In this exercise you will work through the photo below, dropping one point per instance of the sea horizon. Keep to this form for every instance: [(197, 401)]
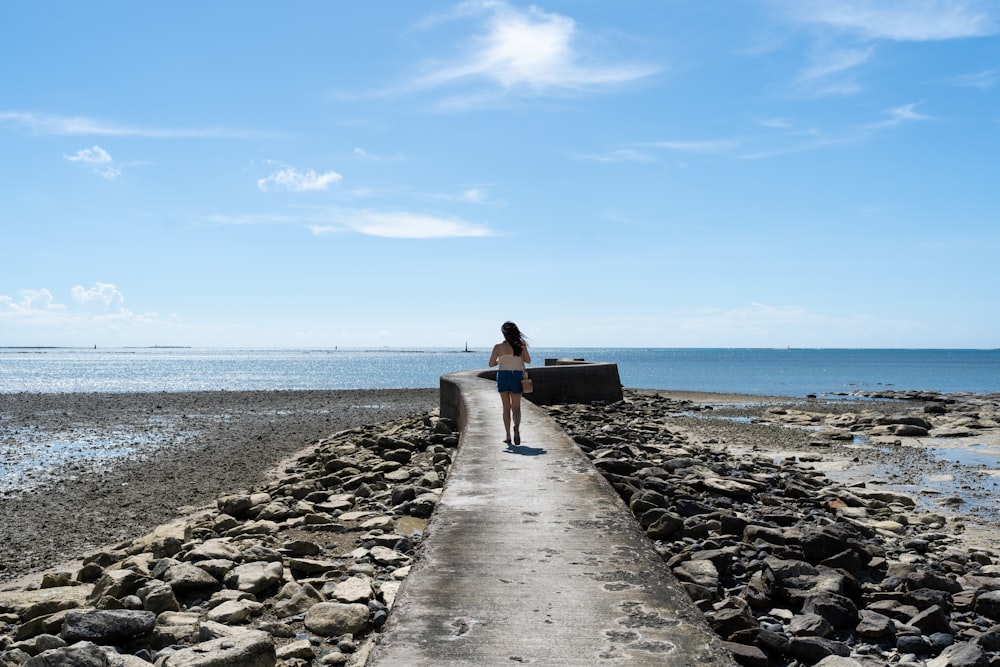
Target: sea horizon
[(787, 371)]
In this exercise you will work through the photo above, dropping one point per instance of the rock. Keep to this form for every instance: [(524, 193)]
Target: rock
[(255, 577), (185, 577), (875, 626), (814, 649), (966, 654), (233, 612), (988, 604), (298, 650), (116, 584), (356, 589), (106, 626), (747, 655), (700, 572), (332, 619), (158, 597), (296, 599), (389, 557), (251, 648), (81, 654)]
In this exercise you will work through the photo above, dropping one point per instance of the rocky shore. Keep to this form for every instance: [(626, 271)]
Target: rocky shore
[(790, 567), (298, 571), (781, 517)]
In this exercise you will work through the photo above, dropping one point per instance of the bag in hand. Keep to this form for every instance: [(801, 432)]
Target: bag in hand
[(526, 386)]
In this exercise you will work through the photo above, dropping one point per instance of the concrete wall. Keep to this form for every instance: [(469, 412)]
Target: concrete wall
[(559, 381)]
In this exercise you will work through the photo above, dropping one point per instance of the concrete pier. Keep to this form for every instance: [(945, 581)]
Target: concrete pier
[(532, 558)]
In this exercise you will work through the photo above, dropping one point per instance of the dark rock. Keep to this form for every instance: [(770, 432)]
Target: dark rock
[(813, 649), (107, 626)]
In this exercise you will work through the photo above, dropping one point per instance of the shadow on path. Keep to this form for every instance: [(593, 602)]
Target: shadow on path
[(524, 451)]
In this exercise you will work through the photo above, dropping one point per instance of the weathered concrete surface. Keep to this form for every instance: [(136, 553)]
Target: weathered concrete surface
[(531, 558)]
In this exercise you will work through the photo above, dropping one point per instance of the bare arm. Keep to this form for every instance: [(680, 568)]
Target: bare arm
[(495, 355), (525, 355)]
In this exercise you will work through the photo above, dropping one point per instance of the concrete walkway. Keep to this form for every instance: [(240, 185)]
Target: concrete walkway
[(532, 558)]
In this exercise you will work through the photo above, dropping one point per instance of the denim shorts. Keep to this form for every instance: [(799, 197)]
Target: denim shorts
[(509, 381)]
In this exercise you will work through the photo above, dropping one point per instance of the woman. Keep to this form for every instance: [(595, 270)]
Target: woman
[(511, 354)]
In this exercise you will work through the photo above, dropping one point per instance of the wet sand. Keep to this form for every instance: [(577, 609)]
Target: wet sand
[(182, 451)]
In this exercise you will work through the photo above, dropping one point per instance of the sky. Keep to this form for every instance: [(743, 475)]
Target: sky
[(636, 173)]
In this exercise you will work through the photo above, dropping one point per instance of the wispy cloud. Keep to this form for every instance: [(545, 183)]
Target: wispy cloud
[(982, 80), (98, 159), (914, 20), (298, 181), (523, 52), (617, 155), (847, 33), (399, 225), (52, 124), (707, 146), (899, 115)]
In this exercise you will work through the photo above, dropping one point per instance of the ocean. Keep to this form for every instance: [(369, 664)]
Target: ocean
[(783, 372)]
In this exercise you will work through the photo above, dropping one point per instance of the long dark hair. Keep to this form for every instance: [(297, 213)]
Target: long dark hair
[(514, 337)]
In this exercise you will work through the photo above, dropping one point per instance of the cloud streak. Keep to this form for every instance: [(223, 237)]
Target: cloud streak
[(399, 225), (56, 125), (911, 21)]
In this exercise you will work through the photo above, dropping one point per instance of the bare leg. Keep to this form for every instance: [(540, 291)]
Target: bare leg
[(515, 409), (505, 400)]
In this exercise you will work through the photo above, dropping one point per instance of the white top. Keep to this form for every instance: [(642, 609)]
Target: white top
[(511, 362)]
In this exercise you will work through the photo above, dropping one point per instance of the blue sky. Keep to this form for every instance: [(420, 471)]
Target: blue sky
[(753, 173)]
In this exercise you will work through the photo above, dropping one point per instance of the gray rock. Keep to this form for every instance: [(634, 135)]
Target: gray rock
[(700, 572), (840, 611), (80, 654), (158, 597), (296, 599), (875, 626), (116, 584), (255, 577), (966, 654), (184, 577), (988, 604), (106, 626), (814, 649), (251, 648), (332, 619)]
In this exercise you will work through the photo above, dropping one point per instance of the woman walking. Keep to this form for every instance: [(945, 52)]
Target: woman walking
[(511, 354)]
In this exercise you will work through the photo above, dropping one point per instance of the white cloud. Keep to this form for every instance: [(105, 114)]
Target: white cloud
[(32, 301), (899, 115), (526, 51), (398, 224), (291, 179), (53, 124), (913, 20), (98, 159), (834, 62), (105, 294), (38, 319)]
